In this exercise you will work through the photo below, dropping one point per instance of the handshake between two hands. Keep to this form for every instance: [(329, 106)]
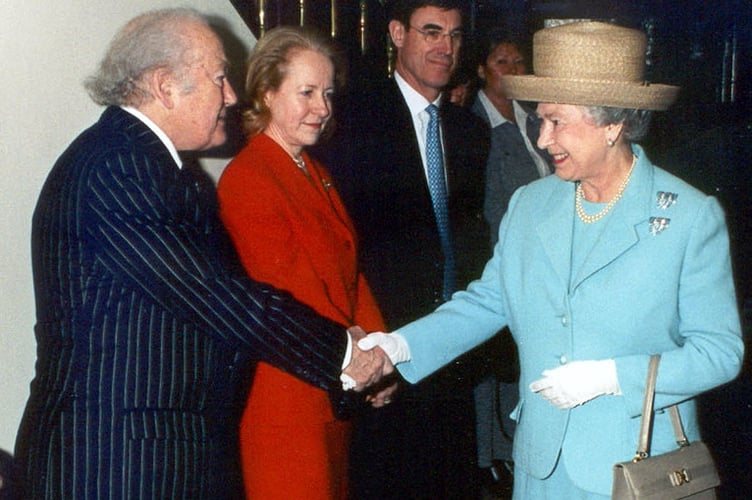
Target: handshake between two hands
[(373, 357)]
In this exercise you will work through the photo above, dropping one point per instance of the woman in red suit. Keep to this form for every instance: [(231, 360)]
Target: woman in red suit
[(292, 445)]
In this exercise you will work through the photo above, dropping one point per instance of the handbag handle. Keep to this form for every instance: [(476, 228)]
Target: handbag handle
[(646, 421)]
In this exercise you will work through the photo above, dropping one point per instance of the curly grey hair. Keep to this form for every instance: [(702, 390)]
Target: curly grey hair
[(635, 121), (150, 41)]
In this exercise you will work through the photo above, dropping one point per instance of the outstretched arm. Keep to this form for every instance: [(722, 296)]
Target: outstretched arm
[(144, 222)]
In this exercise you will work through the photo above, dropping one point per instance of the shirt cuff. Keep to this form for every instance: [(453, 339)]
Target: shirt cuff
[(348, 383)]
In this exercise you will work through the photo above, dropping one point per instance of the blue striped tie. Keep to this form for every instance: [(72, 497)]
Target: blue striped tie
[(437, 187)]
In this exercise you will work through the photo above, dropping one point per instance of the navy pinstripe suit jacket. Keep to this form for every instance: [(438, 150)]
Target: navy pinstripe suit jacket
[(146, 328)]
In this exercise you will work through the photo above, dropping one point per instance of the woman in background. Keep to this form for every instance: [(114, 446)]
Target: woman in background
[(513, 160), (292, 444)]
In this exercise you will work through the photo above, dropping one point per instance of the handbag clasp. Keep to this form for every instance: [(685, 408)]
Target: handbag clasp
[(679, 477)]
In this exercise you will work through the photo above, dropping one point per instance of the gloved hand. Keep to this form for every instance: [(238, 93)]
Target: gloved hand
[(577, 382), (393, 344)]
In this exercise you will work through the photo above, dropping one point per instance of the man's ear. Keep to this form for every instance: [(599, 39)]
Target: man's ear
[(397, 32), (163, 87)]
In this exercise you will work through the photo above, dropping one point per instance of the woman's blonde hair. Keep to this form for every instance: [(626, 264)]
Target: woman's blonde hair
[(267, 69)]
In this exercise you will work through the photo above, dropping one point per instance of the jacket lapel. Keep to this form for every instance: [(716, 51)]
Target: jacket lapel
[(617, 237), (619, 234), (555, 229), (621, 230)]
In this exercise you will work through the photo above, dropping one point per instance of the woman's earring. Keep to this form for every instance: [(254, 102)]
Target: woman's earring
[(610, 142)]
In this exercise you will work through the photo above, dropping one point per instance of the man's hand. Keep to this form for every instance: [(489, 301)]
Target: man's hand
[(383, 397), (367, 367)]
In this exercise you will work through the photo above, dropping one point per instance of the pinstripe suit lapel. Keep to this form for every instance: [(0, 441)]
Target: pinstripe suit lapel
[(120, 122)]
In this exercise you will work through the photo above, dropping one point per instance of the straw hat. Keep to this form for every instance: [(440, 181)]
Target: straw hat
[(590, 63)]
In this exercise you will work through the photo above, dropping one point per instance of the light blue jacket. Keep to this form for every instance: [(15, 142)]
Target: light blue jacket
[(647, 287)]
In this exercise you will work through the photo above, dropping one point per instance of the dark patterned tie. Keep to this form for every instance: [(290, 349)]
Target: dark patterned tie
[(437, 187)]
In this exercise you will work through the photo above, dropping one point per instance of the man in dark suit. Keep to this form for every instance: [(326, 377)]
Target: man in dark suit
[(146, 324), (422, 445)]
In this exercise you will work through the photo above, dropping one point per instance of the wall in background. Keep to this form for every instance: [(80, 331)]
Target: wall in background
[(48, 49)]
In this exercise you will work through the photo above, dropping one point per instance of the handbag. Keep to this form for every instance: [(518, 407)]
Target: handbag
[(687, 472)]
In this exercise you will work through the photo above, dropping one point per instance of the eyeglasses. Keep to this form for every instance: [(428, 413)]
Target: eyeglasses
[(434, 36)]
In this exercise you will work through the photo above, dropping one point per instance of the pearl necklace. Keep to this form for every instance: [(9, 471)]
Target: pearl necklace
[(589, 219)]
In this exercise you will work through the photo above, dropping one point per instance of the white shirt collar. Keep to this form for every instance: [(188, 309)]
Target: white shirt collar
[(414, 100), (160, 133), (494, 117)]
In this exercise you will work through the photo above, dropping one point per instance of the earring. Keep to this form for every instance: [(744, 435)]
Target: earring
[(610, 142)]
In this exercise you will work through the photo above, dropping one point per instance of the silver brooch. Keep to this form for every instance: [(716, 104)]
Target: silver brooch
[(658, 224), (665, 199)]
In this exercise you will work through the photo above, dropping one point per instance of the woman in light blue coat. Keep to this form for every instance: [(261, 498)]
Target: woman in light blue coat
[(597, 267)]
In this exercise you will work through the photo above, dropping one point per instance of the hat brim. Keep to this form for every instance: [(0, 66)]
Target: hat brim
[(628, 95)]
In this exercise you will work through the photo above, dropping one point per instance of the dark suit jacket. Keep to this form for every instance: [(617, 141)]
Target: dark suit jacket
[(377, 166), (146, 327), (422, 445)]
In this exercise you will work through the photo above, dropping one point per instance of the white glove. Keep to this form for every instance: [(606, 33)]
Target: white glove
[(577, 382), (393, 344)]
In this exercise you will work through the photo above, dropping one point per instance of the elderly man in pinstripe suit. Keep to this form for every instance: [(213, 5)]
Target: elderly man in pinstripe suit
[(146, 324)]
